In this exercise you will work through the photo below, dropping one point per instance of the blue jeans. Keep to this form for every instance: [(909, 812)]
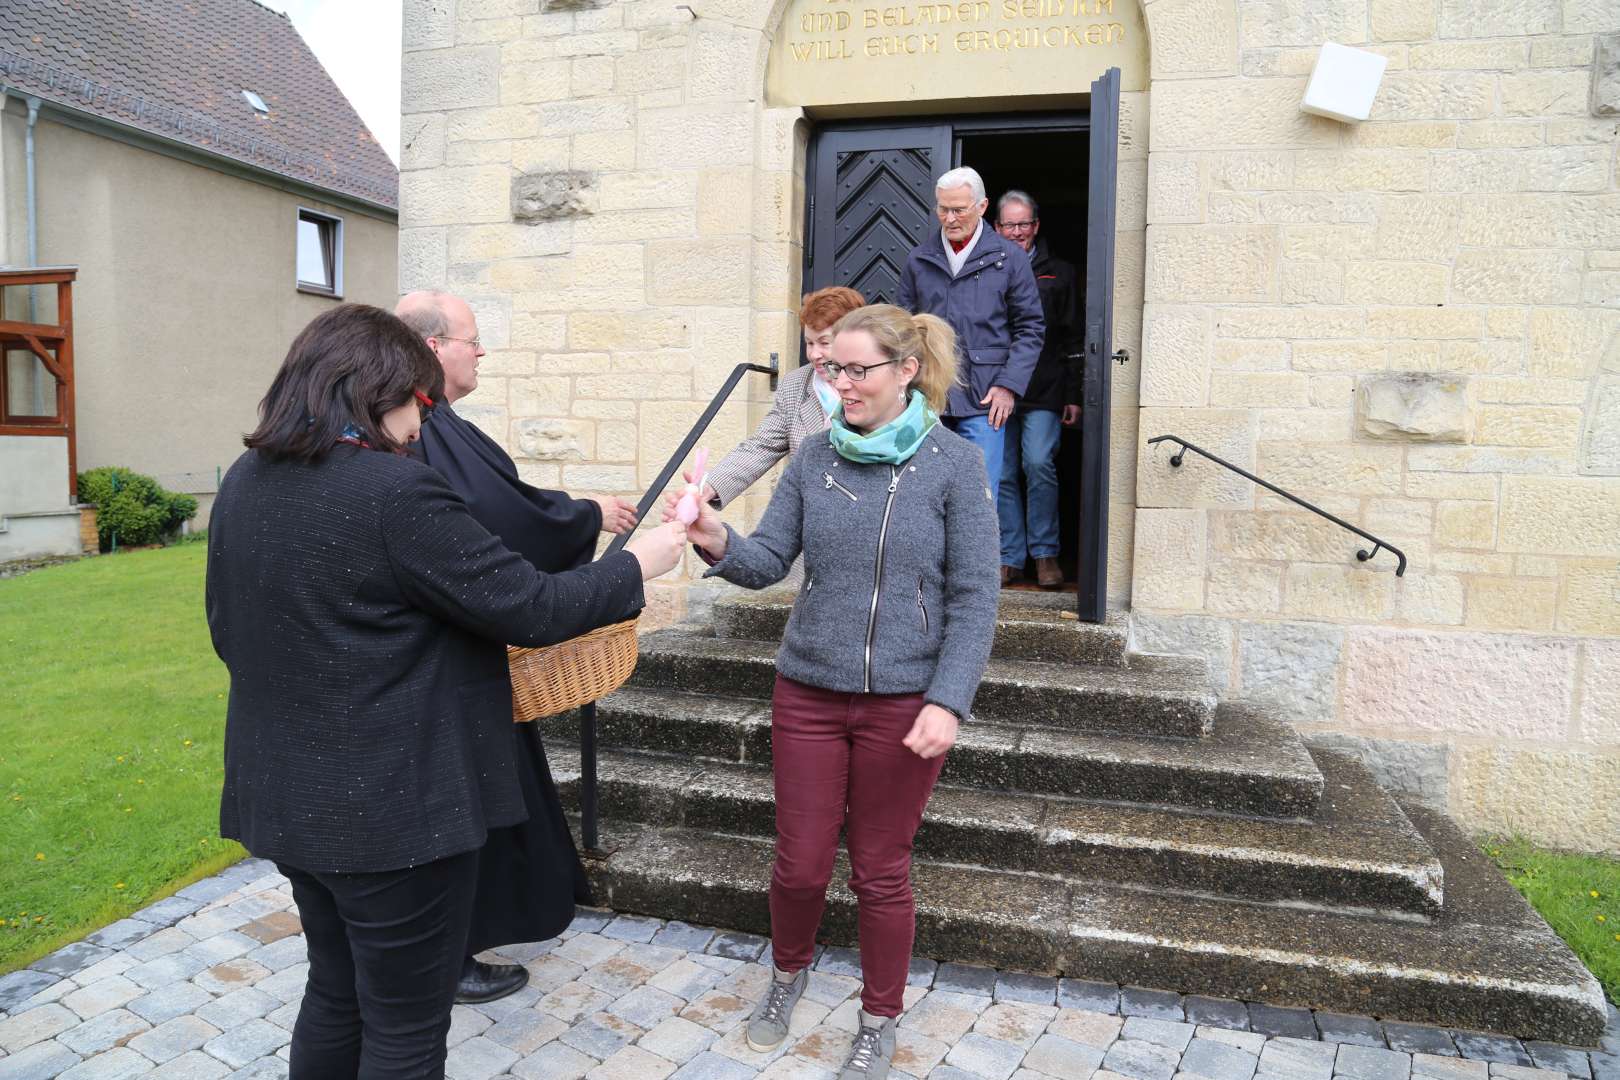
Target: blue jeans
[(1032, 440), (977, 430)]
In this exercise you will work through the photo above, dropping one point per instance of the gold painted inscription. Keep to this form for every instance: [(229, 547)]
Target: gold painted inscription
[(822, 34), (831, 51)]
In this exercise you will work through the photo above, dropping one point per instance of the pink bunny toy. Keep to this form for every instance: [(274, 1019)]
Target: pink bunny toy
[(686, 510)]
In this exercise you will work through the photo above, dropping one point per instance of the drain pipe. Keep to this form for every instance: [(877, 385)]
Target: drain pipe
[(33, 203)]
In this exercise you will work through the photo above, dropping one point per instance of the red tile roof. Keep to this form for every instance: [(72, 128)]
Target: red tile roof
[(178, 68)]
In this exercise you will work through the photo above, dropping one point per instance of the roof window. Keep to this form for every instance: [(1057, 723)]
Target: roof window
[(257, 102)]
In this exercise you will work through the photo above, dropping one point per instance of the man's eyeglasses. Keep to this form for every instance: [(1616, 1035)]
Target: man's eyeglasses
[(469, 340), (1019, 226), (856, 372), (952, 212)]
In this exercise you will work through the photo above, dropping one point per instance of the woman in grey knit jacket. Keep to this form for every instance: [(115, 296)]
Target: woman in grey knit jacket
[(886, 645)]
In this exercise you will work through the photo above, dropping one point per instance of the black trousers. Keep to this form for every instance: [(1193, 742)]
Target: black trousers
[(385, 952)]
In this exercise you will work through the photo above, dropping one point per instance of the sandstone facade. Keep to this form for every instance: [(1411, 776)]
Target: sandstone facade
[(1413, 322)]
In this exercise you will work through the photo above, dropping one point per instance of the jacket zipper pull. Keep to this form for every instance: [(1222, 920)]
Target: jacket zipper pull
[(831, 484), (894, 482)]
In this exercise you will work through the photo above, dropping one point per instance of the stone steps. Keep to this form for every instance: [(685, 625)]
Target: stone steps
[(1361, 854), (1487, 962), (1031, 626), (1249, 765), (1166, 696)]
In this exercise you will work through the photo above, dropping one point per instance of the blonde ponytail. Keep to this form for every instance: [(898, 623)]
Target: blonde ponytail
[(899, 334), (938, 360)]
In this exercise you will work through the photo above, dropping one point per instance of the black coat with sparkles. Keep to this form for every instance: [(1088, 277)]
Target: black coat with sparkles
[(362, 613)]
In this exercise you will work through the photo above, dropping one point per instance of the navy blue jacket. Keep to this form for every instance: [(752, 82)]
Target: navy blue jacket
[(994, 307)]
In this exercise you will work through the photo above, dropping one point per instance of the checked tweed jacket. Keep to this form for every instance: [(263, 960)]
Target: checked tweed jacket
[(795, 415)]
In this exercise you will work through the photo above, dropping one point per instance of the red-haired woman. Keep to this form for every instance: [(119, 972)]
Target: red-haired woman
[(805, 401)]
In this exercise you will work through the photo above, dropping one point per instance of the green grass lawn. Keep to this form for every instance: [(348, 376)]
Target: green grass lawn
[(112, 716), (1578, 895)]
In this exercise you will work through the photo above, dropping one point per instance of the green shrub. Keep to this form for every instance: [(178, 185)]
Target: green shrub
[(133, 506)]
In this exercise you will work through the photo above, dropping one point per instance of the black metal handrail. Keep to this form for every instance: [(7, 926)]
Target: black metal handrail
[(1362, 554), (587, 713)]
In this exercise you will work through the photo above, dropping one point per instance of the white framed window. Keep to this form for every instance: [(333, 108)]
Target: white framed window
[(320, 253)]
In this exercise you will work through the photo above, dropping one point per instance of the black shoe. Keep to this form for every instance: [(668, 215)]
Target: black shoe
[(481, 982)]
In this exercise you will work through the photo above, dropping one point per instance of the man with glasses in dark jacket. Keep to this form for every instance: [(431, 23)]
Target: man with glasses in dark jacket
[(1029, 520), (529, 874), (982, 285)]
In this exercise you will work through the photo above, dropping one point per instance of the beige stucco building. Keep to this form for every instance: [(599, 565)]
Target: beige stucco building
[(181, 208), (1412, 321)]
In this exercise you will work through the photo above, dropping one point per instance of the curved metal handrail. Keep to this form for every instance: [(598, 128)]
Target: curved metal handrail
[(587, 712), (1362, 554), (651, 495)]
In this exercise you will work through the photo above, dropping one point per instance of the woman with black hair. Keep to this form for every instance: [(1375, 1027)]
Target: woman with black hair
[(363, 616)]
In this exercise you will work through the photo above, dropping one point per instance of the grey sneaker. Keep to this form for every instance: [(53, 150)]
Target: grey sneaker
[(873, 1050), (769, 1024)]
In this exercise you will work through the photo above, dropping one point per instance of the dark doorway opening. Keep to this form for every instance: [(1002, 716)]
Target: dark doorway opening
[(871, 199), (1052, 167)]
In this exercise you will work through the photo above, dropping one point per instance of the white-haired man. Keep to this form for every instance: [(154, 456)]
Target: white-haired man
[(980, 283)]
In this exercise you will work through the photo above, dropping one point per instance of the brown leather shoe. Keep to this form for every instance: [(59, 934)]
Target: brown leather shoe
[(1010, 574), (1048, 573)]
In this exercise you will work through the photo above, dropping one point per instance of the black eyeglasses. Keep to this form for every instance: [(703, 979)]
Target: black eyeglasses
[(1019, 226), (856, 372)]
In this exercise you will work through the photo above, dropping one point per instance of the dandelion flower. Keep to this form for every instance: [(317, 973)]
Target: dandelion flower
[(120, 759), (41, 918), (140, 781), (1602, 918), (120, 885), (39, 856), (187, 742), (1594, 894), (129, 809)]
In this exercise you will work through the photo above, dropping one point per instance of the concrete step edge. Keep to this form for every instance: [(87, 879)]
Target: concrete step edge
[(1250, 764), (1167, 700), (1478, 967), (1367, 858)]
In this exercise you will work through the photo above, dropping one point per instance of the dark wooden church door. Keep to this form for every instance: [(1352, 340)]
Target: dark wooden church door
[(1096, 406), (871, 202)]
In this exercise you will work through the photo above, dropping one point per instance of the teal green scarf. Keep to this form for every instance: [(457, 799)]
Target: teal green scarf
[(890, 444)]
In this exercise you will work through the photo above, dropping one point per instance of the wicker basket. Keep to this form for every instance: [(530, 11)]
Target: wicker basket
[(571, 673)]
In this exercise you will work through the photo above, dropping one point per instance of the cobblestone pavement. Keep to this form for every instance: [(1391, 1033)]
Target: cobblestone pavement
[(207, 984)]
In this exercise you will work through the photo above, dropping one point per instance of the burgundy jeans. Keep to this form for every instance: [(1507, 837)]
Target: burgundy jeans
[(839, 764)]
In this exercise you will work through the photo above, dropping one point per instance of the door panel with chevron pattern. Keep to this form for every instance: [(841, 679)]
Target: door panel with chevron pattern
[(873, 202)]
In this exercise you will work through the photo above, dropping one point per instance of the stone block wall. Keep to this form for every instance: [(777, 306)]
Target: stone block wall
[(1413, 322), (603, 184)]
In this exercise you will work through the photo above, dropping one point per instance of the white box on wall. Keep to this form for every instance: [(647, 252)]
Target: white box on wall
[(1344, 83)]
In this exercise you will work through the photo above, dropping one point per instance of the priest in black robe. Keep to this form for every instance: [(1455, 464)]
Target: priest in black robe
[(530, 876)]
